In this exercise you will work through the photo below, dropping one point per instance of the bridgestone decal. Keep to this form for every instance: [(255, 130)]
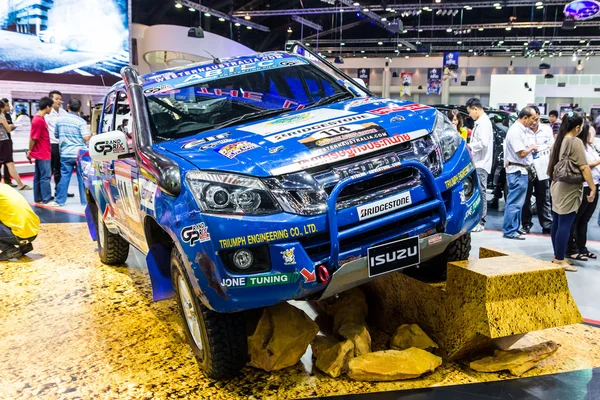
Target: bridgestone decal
[(317, 127), (384, 206)]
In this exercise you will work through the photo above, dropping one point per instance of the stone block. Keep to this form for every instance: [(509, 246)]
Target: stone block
[(392, 365), (281, 337), (358, 335), (322, 343), (497, 296), (334, 360), (517, 361), (411, 335)]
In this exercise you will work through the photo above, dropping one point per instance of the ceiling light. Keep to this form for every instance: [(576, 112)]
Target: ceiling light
[(404, 31), (449, 30), (459, 42), (192, 9), (470, 50), (247, 18), (356, 4), (222, 19), (342, 44), (249, 27), (307, 44), (496, 4), (237, 24), (468, 8), (539, 3), (329, 51), (380, 43), (207, 14), (362, 51), (498, 7), (508, 50), (365, 10), (420, 30), (384, 19), (512, 56), (582, 41), (480, 29), (525, 44), (438, 1), (500, 41), (540, 7), (364, 57), (426, 55), (399, 44), (454, 13), (178, 5), (540, 27), (406, 56), (508, 28), (438, 12), (289, 30), (587, 58)]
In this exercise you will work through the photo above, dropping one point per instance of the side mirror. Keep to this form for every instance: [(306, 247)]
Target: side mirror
[(109, 146), (360, 82)]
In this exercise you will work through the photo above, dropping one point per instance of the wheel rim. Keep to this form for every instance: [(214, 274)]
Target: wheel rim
[(100, 228), (191, 316)]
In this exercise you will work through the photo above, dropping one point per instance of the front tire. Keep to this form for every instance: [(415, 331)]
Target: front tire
[(112, 248), (458, 250), (218, 340)]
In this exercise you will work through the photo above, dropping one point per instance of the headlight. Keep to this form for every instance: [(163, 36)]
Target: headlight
[(231, 194), (298, 194), (447, 136)]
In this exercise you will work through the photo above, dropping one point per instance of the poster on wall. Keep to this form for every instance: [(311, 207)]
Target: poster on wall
[(508, 107), (364, 73), (406, 79), (543, 107), (21, 105), (451, 65), (565, 108), (434, 83), (64, 40)]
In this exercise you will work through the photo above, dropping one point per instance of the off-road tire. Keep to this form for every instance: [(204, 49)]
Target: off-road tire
[(224, 342), (112, 248), (437, 267)]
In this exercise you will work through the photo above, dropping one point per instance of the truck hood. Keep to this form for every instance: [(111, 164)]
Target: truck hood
[(298, 140)]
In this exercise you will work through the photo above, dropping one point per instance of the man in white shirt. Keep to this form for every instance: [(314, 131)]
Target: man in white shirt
[(517, 158), (51, 118), (482, 150), (542, 137)]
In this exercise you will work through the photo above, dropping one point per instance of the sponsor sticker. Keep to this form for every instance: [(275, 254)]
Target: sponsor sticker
[(458, 177), (157, 89), (127, 198), (200, 142), (268, 237), (473, 207), (289, 258), (147, 194), (350, 152), (392, 108), (195, 233), (104, 147), (343, 136), (347, 260), (463, 198), (260, 280), (234, 149), (361, 102), (294, 121), (435, 239), (397, 118), (318, 127), (384, 206)]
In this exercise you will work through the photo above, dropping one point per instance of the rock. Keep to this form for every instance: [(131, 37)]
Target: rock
[(281, 338), (359, 335), (517, 361), (334, 360), (411, 335), (348, 307), (322, 343), (392, 365)]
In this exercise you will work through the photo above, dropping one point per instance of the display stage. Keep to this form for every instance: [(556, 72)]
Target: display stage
[(72, 327)]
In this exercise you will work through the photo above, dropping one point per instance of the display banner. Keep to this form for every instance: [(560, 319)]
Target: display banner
[(450, 58), (406, 78), (364, 74), (434, 83), (64, 41)]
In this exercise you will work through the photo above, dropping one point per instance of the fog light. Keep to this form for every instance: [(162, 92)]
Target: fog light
[(243, 259), (468, 187)]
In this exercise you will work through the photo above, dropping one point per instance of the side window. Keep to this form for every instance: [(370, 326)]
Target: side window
[(123, 114), (108, 113)]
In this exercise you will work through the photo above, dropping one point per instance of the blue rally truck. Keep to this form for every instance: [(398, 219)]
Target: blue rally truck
[(256, 180)]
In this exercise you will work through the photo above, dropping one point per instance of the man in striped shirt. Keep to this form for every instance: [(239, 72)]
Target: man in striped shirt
[(73, 134)]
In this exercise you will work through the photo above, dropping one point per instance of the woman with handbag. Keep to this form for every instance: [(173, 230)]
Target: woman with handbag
[(568, 168), (577, 249)]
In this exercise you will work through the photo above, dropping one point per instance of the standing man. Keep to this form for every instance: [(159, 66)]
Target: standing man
[(482, 149), (542, 137), (73, 134), (554, 122), (51, 118), (517, 160), (41, 150), (8, 118)]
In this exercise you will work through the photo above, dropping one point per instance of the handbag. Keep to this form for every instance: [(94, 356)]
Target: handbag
[(531, 172), (566, 170)]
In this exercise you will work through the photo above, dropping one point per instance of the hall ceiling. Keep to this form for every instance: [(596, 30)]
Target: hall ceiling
[(484, 27)]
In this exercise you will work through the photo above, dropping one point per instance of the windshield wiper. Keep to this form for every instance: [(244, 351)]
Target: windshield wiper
[(331, 99), (253, 115)]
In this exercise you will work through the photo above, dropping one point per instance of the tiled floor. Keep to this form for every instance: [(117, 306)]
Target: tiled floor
[(74, 328)]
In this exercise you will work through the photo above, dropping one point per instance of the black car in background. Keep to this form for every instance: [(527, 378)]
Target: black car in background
[(501, 121)]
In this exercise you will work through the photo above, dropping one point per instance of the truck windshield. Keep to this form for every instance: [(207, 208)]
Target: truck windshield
[(177, 113)]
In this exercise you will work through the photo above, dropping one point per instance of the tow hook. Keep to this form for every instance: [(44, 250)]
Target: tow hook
[(322, 274)]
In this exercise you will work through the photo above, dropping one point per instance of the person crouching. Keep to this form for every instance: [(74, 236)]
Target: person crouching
[(19, 225)]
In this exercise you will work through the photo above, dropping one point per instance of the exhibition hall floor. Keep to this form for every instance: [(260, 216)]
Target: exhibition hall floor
[(72, 327)]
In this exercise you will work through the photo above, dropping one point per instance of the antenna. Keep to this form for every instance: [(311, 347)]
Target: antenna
[(215, 59)]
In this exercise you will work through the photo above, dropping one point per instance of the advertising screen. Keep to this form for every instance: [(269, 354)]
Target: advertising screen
[(70, 41)]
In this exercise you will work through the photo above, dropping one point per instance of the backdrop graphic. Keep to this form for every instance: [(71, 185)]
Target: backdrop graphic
[(450, 59), (434, 83), (64, 40), (364, 74), (406, 79)]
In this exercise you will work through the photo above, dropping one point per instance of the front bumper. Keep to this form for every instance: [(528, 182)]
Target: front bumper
[(337, 240)]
